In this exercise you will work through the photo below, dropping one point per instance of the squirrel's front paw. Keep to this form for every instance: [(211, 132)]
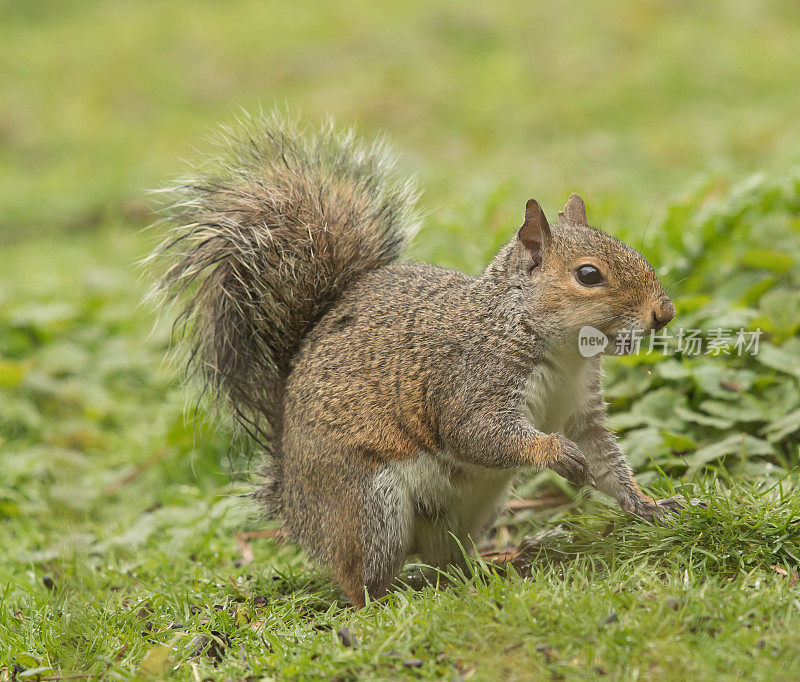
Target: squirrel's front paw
[(568, 461)]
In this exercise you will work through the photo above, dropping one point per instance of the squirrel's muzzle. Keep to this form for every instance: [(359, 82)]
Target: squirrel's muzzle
[(663, 313)]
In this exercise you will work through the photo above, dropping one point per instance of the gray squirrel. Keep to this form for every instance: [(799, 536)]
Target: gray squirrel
[(395, 401)]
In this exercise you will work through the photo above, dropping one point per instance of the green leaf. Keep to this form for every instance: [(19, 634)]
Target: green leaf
[(657, 408), (35, 673), (741, 445), (777, 358), (633, 382), (623, 421), (781, 308), (27, 660), (778, 430), (12, 373), (702, 419), (745, 410), (757, 290), (642, 445), (156, 662), (766, 259), (677, 441), (672, 370), (712, 377)]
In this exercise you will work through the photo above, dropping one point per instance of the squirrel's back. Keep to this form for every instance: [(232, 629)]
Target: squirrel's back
[(366, 367), (267, 237)]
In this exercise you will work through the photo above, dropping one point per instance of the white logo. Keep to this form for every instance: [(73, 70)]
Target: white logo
[(591, 341)]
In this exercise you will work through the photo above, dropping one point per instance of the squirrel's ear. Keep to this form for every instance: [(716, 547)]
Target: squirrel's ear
[(574, 212), (535, 230)]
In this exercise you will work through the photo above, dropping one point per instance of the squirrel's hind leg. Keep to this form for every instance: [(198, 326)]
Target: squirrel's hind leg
[(353, 518)]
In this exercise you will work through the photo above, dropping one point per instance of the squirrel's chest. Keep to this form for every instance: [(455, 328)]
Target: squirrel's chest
[(552, 396)]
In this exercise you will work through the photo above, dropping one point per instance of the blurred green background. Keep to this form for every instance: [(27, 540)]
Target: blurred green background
[(626, 102), (678, 122)]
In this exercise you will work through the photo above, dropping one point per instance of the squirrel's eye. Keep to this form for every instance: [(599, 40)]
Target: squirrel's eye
[(589, 276)]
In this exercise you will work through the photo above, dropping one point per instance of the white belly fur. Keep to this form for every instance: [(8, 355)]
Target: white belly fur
[(445, 497)]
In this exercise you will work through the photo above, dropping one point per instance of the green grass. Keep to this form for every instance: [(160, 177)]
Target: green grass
[(119, 511)]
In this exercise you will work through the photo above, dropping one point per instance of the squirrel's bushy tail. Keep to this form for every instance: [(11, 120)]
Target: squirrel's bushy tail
[(266, 237)]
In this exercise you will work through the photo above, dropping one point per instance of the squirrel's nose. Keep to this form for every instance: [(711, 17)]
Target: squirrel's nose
[(663, 313)]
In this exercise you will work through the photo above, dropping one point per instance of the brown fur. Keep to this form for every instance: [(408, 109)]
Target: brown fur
[(395, 401)]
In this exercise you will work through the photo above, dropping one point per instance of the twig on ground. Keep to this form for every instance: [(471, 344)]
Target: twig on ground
[(242, 539), (244, 549), (499, 557), (275, 533), (542, 502), (138, 470)]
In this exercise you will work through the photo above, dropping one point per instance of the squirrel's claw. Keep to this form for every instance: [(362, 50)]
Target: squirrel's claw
[(570, 463), (670, 506)]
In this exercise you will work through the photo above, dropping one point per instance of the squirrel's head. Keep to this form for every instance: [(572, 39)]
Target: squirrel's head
[(574, 275)]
